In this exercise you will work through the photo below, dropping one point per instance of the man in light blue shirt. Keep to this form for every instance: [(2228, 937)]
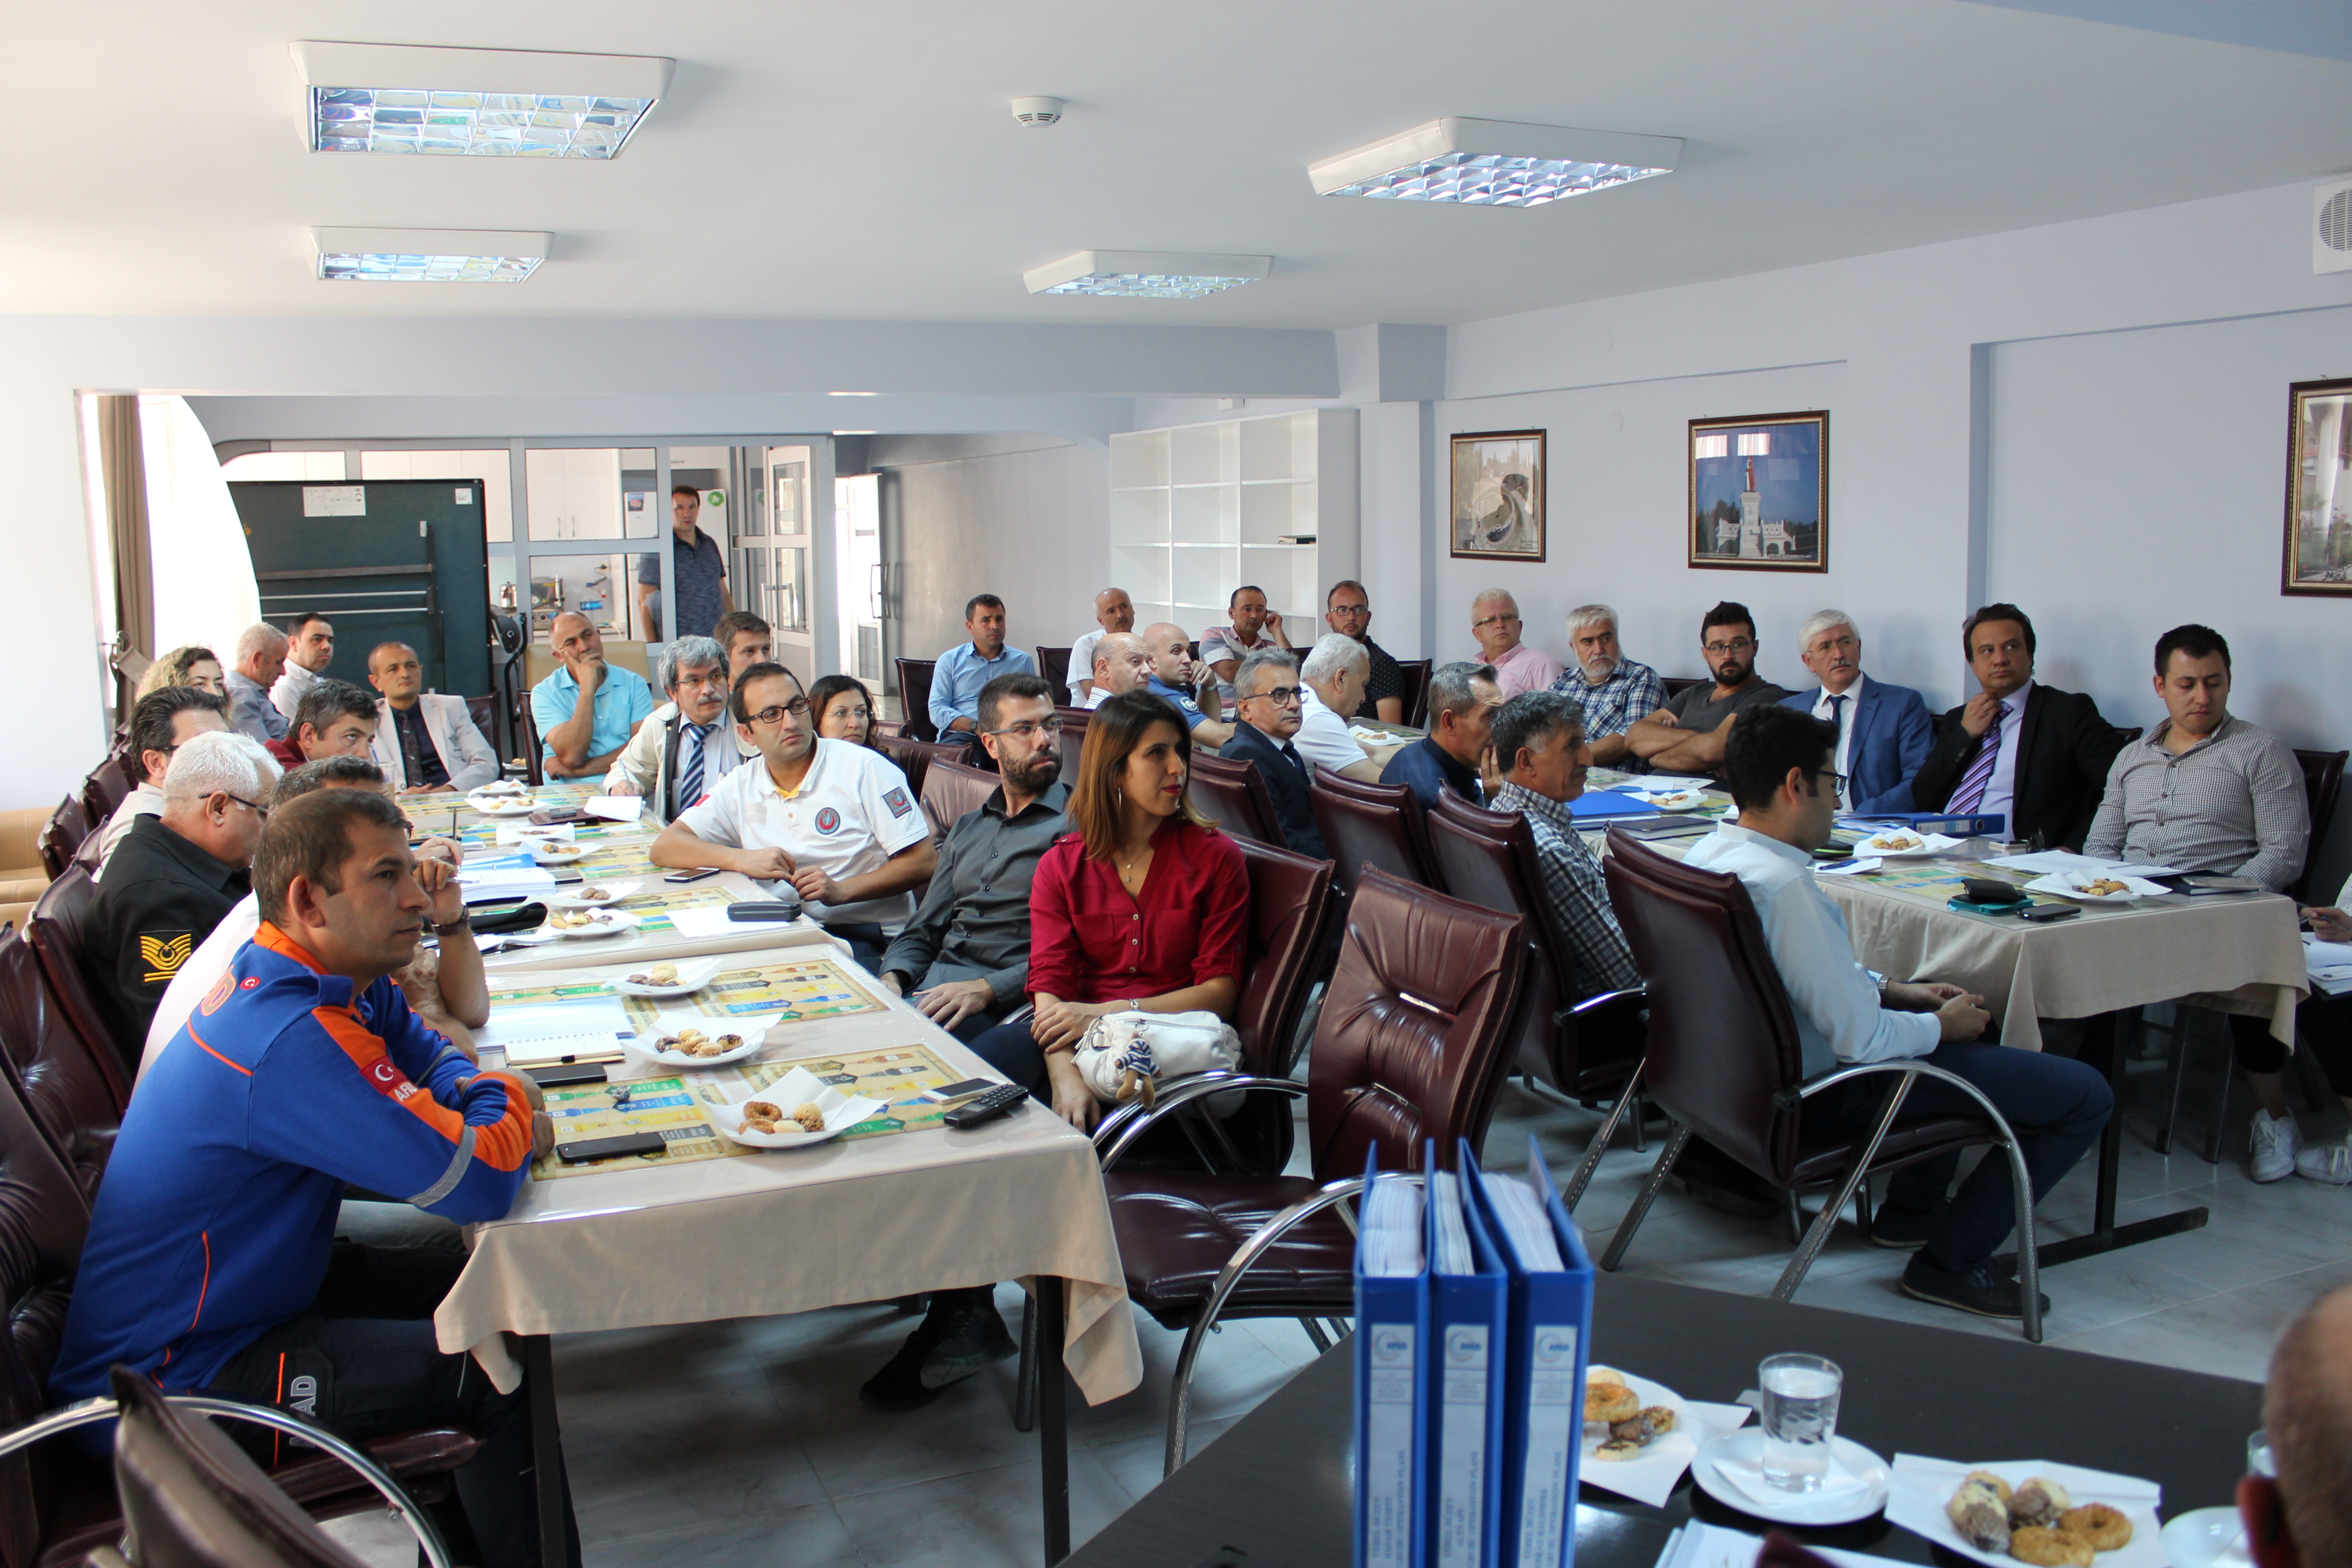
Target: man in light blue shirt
[(964, 669), (1779, 763), (587, 709)]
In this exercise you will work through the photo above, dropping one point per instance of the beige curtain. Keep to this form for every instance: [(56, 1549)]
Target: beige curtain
[(123, 469)]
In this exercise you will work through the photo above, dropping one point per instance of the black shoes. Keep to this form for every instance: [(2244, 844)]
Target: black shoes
[(1903, 1230), (1979, 1291), (961, 1333)]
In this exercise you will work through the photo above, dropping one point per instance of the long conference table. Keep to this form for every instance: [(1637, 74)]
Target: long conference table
[(718, 1232)]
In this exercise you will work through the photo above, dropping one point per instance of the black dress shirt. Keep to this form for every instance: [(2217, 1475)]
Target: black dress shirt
[(159, 898), (973, 921), (1383, 680), (1287, 776), (1427, 767)]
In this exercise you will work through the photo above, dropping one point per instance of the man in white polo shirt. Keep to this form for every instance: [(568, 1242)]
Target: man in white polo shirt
[(831, 820)]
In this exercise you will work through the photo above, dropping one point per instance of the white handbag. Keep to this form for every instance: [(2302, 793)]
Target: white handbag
[(1122, 1055)]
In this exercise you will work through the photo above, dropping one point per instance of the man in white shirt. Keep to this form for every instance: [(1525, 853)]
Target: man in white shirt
[(310, 649), (1778, 763), (1114, 614), (1122, 663), (1333, 676), (680, 753), (830, 820), (164, 721)]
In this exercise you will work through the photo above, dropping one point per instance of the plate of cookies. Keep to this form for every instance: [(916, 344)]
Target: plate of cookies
[(1636, 1434), (585, 924), (797, 1110), (501, 799), (1903, 843), (2035, 1511), (2097, 887), (592, 895), (668, 979), (691, 1046)]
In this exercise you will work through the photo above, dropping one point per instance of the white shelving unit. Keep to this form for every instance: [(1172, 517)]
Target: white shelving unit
[(1196, 511)]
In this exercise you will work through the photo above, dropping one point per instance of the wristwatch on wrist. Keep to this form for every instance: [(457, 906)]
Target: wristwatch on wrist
[(463, 922)]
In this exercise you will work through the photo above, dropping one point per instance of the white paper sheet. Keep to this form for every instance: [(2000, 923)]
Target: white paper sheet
[(2330, 964), (531, 881), (2054, 861), (614, 808), (1846, 868), (1702, 1546)]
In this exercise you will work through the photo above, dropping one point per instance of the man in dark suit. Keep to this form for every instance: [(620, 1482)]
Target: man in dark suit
[(1265, 696), (2030, 752), (1883, 728)]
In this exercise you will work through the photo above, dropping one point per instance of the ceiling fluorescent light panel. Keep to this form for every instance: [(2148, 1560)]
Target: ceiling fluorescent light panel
[(1495, 163), (427, 255), (493, 103), (1146, 274)]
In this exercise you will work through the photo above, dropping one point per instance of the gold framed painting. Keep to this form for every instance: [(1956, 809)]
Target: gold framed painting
[(2318, 555), (1498, 511), (1759, 493)]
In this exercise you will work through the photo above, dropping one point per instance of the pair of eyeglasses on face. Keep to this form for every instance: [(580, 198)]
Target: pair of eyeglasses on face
[(1351, 609), (1837, 780), (254, 806), (1737, 645), (797, 708), (1483, 622), (1029, 732), (1280, 696)]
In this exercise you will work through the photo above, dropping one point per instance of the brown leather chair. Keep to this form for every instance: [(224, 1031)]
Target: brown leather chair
[(1581, 1052), (1053, 666), (76, 1093), (1371, 824), (1676, 685), (56, 931), (915, 757), (2322, 785), (915, 697), (1235, 793), (951, 788), (101, 792), (1417, 673), (1724, 1063), (1074, 739), (1412, 1045), (62, 834)]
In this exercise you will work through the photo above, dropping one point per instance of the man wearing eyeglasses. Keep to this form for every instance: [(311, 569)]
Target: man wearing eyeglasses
[(174, 875), (1267, 688), (1687, 736), (166, 719), (1518, 666), (831, 820), (1348, 610), (685, 746)]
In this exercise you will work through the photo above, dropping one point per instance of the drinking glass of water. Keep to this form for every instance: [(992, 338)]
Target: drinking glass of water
[(1800, 1411)]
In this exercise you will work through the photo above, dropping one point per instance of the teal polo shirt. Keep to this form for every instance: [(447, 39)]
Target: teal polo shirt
[(623, 700)]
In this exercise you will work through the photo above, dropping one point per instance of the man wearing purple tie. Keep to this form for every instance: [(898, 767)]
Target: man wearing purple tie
[(2031, 752)]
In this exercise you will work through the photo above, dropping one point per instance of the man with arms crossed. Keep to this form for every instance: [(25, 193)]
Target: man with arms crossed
[(964, 669), (1254, 626), (1348, 610), (2017, 749), (1882, 730), (426, 744), (1778, 767), (1268, 712), (1687, 736), (1614, 691), (310, 649), (830, 820), (680, 754), (1114, 613), (2205, 791), (585, 710), (212, 1265), (1518, 666)]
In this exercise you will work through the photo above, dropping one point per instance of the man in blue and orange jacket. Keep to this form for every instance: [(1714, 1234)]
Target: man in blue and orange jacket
[(212, 1263)]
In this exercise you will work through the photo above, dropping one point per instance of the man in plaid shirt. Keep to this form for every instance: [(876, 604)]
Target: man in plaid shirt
[(1614, 691), (1540, 748)]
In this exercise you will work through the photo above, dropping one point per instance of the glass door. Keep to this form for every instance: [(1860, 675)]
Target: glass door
[(778, 565)]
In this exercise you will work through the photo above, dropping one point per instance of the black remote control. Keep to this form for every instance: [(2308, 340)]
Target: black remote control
[(996, 1102)]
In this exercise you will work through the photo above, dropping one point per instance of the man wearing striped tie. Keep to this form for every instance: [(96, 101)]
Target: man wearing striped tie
[(2031, 753), (685, 747)]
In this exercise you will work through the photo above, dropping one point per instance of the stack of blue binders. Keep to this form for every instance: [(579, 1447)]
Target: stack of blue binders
[(1470, 1362)]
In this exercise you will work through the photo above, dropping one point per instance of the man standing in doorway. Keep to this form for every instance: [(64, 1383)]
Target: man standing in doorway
[(1348, 611), (700, 564), (311, 646)]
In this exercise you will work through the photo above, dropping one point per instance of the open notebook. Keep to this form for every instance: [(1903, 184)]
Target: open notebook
[(562, 1032)]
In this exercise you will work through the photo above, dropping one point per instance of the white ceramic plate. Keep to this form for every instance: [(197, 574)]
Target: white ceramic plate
[(2206, 1538), (692, 976), (603, 893), (1744, 1448), (1884, 843), (752, 1040), (798, 1086), (501, 804), (2070, 885), (609, 922), (550, 854)]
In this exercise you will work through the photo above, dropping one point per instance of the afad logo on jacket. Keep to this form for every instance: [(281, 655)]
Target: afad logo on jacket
[(389, 1081)]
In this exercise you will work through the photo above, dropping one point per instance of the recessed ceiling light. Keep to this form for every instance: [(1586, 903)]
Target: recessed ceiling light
[(1149, 273), (855, 432), (427, 255), (1494, 162), (494, 104), (852, 394)]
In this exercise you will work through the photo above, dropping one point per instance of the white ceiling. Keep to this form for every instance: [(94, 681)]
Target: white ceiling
[(859, 162)]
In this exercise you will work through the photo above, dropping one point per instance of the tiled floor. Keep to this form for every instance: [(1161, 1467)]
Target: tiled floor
[(744, 1442)]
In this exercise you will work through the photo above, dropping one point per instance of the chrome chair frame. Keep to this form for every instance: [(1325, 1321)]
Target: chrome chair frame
[(1907, 1072), (88, 1412)]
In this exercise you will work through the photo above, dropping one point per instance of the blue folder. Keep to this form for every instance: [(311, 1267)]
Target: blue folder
[(1547, 1335), (1614, 803), (1392, 1334), (1466, 1327)]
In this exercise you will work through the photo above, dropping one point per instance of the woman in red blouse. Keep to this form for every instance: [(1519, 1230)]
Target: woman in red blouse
[(1145, 908)]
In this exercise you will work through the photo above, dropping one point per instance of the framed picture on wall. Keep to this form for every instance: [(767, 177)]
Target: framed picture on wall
[(1759, 492), (2318, 554), (1498, 496)]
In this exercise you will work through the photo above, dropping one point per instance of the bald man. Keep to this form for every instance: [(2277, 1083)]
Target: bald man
[(1121, 664), (2302, 1517), (424, 742), (1114, 614), (1177, 679), (587, 709)]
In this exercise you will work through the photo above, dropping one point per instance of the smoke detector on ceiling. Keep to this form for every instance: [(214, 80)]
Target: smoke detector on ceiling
[(1038, 111), (2331, 227)]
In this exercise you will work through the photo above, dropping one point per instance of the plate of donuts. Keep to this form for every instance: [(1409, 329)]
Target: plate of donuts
[(797, 1110), (2035, 1511), (1639, 1435)]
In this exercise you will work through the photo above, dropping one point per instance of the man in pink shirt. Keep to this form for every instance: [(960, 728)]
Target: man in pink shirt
[(1494, 622)]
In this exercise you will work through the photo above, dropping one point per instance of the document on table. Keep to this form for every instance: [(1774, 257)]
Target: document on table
[(1701, 1545), (492, 882), (556, 1032), (2330, 964), (2056, 862)]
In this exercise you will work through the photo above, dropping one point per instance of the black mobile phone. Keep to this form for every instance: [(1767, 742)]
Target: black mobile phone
[(566, 1075), (758, 910), (970, 1085), (611, 1147), (690, 876), (2045, 913)]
